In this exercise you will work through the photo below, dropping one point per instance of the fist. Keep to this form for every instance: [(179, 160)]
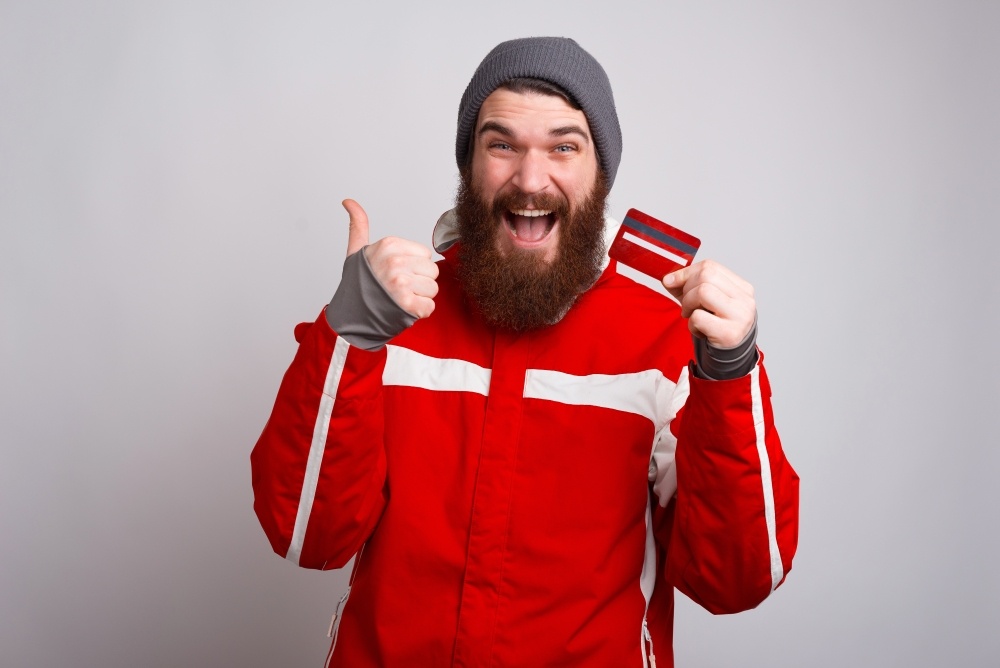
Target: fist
[(718, 304), (404, 268)]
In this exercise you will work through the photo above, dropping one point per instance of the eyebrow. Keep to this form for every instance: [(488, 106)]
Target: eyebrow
[(570, 130), (501, 129), (493, 126)]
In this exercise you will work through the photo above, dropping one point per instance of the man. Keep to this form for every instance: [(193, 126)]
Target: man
[(523, 447)]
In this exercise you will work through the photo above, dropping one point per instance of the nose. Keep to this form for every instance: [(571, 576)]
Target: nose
[(532, 175)]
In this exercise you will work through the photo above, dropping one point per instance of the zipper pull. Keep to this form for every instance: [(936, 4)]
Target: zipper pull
[(649, 639), (336, 615)]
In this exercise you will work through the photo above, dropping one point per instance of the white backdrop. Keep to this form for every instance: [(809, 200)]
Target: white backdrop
[(170, 179)]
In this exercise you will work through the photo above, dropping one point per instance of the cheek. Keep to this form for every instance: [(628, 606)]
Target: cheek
[(490, 178), (491, 173), (578, 182)]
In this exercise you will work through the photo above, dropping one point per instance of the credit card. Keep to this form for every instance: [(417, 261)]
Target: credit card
[(651, 246)]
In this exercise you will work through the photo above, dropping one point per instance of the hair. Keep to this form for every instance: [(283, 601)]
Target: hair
[(540, 86), (528, 85)]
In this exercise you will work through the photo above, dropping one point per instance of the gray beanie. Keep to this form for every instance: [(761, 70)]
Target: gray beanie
[(558, 60)]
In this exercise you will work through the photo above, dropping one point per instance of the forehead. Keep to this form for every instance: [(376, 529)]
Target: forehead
[(530, 110)]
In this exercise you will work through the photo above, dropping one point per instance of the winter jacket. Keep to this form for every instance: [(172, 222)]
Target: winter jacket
[(525, 499)]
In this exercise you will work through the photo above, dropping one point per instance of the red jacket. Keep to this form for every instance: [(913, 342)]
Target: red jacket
[(525, 499)]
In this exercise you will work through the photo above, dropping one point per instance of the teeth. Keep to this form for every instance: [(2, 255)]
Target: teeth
[(530, 213)]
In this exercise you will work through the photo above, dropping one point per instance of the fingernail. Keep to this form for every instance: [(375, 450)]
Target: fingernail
[(668, 279)]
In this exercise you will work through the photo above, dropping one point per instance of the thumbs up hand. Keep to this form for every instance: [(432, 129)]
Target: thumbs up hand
[(404, 268)]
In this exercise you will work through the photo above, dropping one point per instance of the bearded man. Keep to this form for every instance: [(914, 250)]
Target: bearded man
[(525, 450)]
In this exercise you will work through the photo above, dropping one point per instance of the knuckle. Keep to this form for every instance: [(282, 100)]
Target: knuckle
[(408, 303), (398, 282), (391, 244)]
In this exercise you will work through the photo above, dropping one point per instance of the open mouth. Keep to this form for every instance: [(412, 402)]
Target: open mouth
[(530, 227)]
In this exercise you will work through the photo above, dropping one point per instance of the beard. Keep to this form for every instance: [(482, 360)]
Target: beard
[(518, 289)]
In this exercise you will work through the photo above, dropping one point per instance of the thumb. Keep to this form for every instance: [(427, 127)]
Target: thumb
[(357, 233), (674, 281)]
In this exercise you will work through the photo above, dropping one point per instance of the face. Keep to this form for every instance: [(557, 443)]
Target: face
[(537, 151), (530, 211)]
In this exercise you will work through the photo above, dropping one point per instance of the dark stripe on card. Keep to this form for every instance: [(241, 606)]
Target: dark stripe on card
[(660, 236)]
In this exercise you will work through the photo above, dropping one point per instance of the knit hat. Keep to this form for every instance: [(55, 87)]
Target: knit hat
[(558, 60)]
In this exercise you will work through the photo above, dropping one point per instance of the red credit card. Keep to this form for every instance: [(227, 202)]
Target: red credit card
[(651, 246)]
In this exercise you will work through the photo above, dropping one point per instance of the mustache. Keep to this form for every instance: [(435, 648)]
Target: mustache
[(516, 199)]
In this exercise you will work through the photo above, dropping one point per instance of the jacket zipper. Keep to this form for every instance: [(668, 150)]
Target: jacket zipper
[(334, 630), (649, 639)]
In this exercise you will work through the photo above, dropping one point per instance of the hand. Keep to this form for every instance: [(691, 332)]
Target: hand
[(404, 268), (718, 304)]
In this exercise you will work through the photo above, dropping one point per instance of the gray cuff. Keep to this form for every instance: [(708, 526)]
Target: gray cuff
[(361, 310), (726, 363)]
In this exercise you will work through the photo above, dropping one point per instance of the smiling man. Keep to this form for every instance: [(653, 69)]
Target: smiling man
[(534, 167), (527, 451)]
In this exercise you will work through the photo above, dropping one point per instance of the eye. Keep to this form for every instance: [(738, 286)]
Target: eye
[(500, 145), (565, 148)]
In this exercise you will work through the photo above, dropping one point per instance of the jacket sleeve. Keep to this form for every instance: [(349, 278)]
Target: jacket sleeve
[(734, 524), (319, 467)]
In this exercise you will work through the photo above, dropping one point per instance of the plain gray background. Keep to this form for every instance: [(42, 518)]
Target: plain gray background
[(170, 179)]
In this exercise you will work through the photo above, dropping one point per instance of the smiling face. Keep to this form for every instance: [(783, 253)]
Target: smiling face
[(530, 210), (533, 152)]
